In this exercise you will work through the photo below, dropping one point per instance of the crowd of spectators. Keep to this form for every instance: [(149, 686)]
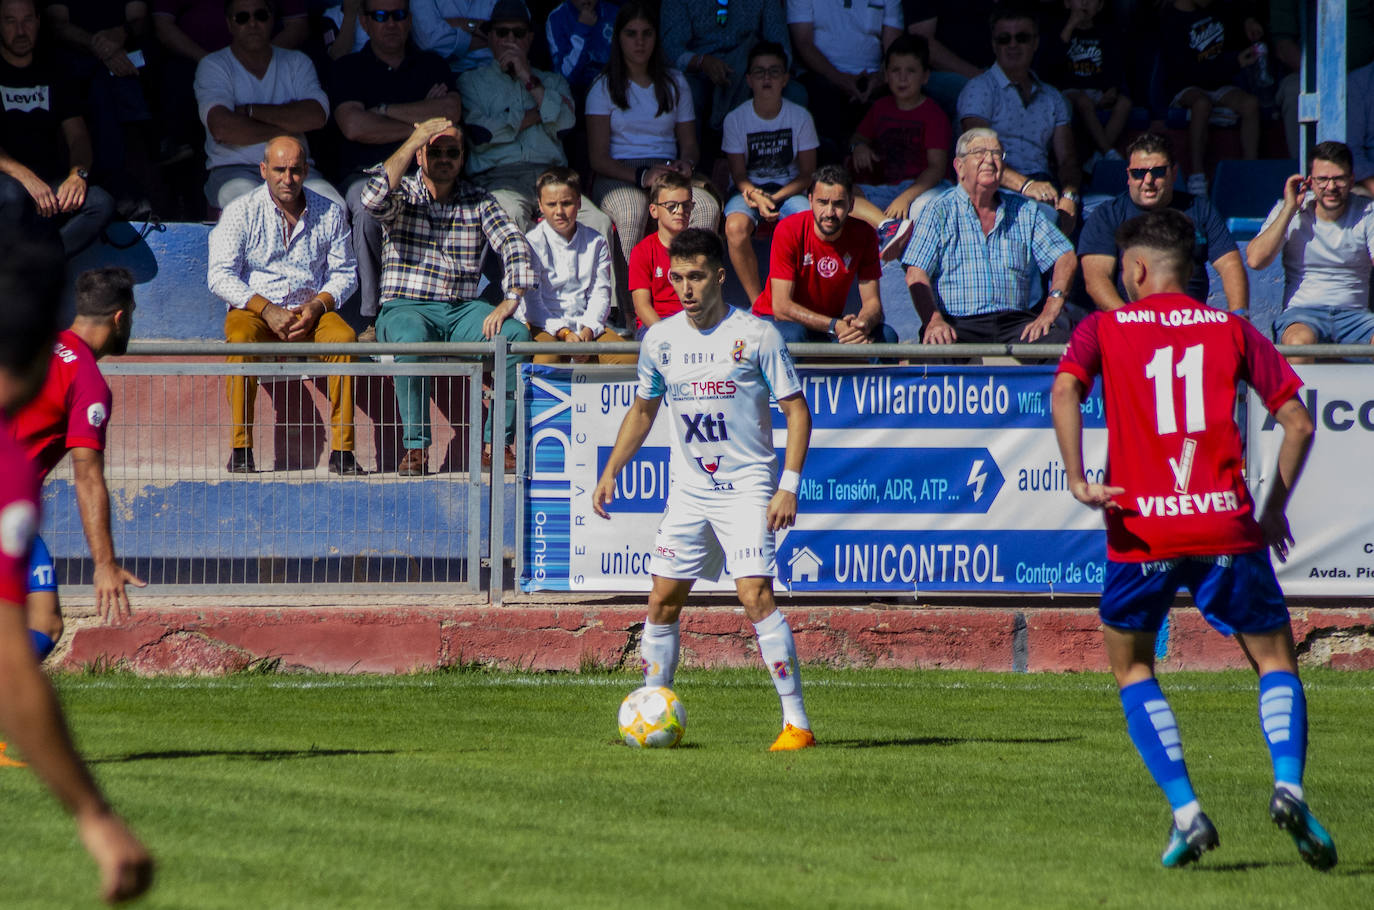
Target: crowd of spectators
[(830, 125)]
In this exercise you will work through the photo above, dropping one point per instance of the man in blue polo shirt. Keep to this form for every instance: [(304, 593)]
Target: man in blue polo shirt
[(1150, 174)]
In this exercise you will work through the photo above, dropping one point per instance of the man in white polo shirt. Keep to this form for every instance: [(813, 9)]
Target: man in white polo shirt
[(1327, 242), (250, 92)]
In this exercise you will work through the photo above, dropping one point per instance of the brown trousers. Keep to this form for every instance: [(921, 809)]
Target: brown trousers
[(242, 327)]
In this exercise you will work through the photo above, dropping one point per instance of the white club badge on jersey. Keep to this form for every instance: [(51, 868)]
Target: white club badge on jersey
[(95, 415)]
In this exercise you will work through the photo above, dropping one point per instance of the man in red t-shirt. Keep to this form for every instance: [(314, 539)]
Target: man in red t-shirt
[(71, 414), (670, 205), (815, 260), (1179, 513), (30, 285)]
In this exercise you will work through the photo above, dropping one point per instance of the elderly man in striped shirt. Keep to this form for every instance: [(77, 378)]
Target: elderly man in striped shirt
[(977, 255), (436, 230)]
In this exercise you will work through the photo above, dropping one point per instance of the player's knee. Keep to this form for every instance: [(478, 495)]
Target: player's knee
[(738, 229), (1297, 333)]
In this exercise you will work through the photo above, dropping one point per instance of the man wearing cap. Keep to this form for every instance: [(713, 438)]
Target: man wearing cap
[(437, 228), (523, 109)]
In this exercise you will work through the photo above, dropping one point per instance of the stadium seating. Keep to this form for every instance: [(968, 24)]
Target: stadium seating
[(1245, 191)]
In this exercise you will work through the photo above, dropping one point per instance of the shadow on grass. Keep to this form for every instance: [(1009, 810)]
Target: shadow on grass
[(949, 741), (1344, 868), (247, 754)]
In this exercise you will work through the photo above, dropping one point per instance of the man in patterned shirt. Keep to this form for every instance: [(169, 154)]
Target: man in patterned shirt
[(977, 256), (282, 261), (437, 227)]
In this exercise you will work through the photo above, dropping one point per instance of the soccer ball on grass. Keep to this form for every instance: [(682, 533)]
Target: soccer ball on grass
[(652, 717)]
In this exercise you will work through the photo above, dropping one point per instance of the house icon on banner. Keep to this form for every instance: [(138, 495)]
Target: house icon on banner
[(805, 565)]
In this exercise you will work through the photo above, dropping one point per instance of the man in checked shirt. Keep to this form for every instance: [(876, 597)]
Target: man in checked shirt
[(436, 229)]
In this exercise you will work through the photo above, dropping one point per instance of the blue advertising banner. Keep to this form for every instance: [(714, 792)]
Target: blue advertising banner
[(918, 478)]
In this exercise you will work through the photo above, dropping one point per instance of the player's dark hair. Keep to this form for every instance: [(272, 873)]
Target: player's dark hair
[(559, 176), (271, 7), (909, 45), (101, 293), (1168, 233), (695, 242), (1337, 153), (766, 49), (1014, 11), (31, 278), (832, 174), (668, 180), (1151, 144)]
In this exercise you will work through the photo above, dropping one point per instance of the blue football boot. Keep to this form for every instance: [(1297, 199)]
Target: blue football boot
[(1291, 814), (1186, 846)]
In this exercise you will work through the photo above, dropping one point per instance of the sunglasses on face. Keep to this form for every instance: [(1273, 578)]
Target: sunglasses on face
[(242, 16), (1158, 172), (451, 152), (517, 32), (381, 15), (675, 207), (1019, 38)]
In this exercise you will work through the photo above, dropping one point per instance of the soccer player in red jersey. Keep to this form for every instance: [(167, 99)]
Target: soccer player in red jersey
[(817, 256), (30, 284), (1179, 514), (71, 414)]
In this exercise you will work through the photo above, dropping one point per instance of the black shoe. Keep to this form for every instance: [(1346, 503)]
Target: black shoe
[(341, 462), (241, 462)]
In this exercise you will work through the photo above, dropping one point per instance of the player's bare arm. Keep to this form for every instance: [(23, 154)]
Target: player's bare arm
[(634, 429), (1066, 402), (31, 717), (93, 498), (784, 307), (782, 508), (1297, 442)]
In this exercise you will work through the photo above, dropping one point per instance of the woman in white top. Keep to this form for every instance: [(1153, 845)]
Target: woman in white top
[(640, 123)]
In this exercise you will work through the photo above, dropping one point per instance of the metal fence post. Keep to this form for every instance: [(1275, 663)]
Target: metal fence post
[(497, 546)]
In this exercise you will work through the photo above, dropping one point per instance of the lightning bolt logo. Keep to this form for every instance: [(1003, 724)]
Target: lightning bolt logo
[(976, 478)]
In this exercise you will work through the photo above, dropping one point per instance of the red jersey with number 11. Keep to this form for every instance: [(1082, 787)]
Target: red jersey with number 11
[(1169, 368)]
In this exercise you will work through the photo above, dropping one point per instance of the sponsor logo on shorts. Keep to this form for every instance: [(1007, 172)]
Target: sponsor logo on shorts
[(669, 552)]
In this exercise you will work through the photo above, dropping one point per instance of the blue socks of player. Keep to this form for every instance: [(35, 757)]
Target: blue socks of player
[(1151, 724), (1283, 717), (42, 644), (780, 656), (658, 649)]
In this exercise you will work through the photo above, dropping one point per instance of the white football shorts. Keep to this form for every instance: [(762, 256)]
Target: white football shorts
[(699, 536)]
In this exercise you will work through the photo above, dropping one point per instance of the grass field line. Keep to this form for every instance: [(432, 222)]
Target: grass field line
[(925, 680)]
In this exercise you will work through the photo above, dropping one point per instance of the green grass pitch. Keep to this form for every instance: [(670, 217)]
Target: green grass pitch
[(472, 789)]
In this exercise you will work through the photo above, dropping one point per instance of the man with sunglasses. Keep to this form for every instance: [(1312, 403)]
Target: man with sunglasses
[(513, 114), (1032, 118), (1151, 172), (1327, 241), (250, 92), (438, 230), (379, 93)]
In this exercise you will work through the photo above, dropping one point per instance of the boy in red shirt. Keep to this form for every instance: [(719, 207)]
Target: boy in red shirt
[(815, 260), (902, 146), (670, 205)]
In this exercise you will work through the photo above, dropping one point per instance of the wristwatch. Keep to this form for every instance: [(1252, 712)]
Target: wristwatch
[(1070, 195), (83, 174), (1057, 294)]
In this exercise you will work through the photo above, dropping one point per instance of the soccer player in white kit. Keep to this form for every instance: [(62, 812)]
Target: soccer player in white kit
[(718, 366)]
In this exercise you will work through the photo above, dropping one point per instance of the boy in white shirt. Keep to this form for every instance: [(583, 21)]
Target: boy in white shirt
[(573, 298), (771, 145)]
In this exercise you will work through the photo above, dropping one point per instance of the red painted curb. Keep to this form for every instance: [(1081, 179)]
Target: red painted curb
[(398, 640)]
